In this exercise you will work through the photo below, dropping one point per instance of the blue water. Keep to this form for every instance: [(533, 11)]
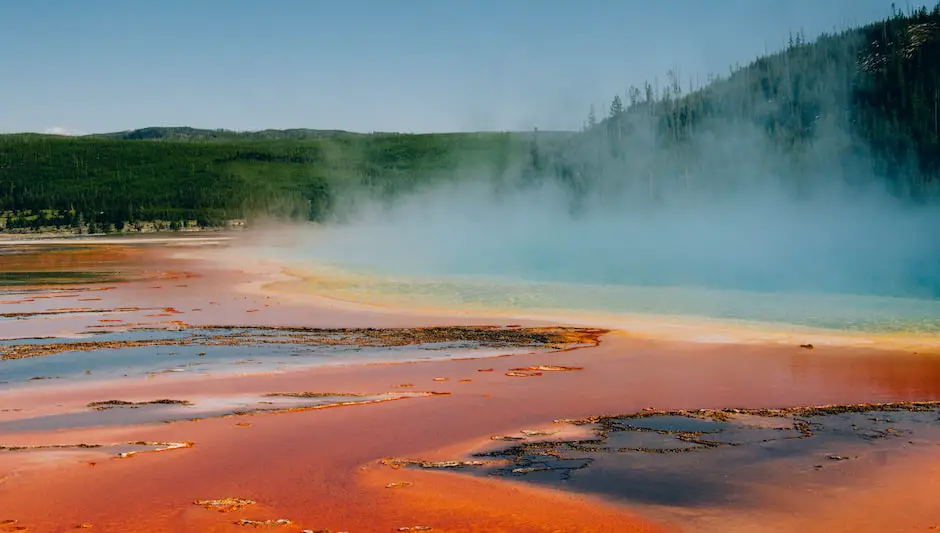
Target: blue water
[(206, 355), (844, 312), (839, 259)]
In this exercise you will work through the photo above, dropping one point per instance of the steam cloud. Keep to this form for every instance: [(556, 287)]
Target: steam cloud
[(864, 245), (744, 216)]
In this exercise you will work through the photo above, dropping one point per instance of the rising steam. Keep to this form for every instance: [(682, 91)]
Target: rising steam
[(743, 219)]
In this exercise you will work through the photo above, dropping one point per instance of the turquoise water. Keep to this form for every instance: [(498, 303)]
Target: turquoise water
[(860, 264), (842, 312)]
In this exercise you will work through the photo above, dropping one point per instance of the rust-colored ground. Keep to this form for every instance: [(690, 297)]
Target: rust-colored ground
[(320, 469)]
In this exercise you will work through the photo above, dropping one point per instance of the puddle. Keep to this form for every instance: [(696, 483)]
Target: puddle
[(165, 411), (668, 423), (647, 441), (709, 458), (159, 352)]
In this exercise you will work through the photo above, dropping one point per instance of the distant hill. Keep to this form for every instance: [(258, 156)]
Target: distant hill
[(183, 133)]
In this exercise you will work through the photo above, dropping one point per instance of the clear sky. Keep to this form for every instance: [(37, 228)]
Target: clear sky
[(387, 65)]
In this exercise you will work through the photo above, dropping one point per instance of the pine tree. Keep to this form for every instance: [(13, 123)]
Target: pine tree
[(616, 108)]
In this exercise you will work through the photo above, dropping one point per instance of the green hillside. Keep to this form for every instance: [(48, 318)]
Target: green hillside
[(115, 181)]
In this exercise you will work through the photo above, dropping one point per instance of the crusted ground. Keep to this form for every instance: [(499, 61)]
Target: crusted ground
[(486, 336)]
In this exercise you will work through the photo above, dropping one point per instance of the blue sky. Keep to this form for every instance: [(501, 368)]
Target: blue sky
[(407, 65)]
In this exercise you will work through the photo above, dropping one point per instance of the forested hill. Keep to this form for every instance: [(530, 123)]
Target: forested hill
[(105, 183), (856, 107), (183, 133)]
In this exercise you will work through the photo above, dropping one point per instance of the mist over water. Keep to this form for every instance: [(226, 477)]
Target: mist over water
[(862, 263), (862, 247), (725, 224)]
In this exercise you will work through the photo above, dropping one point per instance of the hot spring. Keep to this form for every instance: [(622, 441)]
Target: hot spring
[(865, 265)]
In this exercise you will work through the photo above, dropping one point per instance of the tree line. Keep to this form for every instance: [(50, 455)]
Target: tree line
[(112, 182)]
